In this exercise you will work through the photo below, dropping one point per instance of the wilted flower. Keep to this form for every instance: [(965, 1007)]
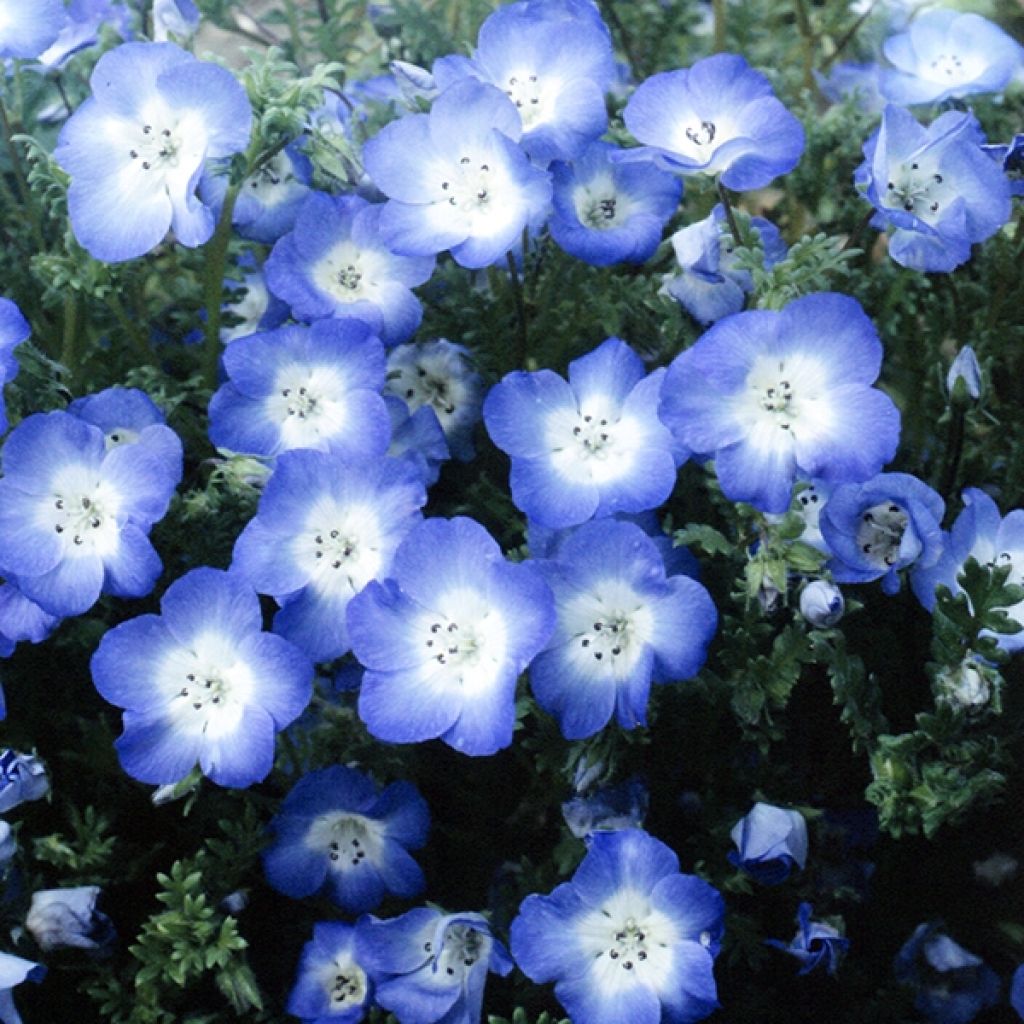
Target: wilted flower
[(62, 918), (22, 778), (815, 944)]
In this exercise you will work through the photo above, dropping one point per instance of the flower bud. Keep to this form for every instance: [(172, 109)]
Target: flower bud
[(22, 778), (964, 378), (61, 918), (822, 604), (968, 686)]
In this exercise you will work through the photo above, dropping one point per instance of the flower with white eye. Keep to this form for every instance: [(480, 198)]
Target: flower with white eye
[(27, 29), (332, 986)]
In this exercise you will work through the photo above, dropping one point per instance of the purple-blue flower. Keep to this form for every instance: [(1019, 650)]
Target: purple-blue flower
[(719, 117), (136, 148), (621, 624), (418, 438), (822, 604), (75, 514), (936, 190), (627, 938), (607, 809), (455, 178), (255, 310), (27, 29), (770, 842), (1017, 991), (428, 966), (331, 986), (201, 682), (336, 831), (14, 329), (773, 395), (303, 387), (878, 527), (130, 416), (180, 17), (335, 263), (816, 943), (14, 970), (21, 619), (588, 447), (326, 525), (22, 777), (445, 636), (606, 212)]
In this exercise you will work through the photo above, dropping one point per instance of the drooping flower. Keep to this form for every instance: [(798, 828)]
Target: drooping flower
[(627, 938), (947, 54), (718, 117), (201, 683), (325, 526), (444, 638), (935, 189), (14, 329), (13, 971), (331, 986), (136, 148), (885, 524), (26, 30), (68, 918), (22, 777), (74, 515), (816, 943), (470, 189), (429, 966), (773, 395), (770, 842), (554, 62), (335, 831), (621, 623), (588, 447), (303, 387)]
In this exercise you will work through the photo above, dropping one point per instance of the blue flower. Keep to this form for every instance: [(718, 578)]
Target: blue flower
[(444, 638), (332, 986), (1017, 991), (303, 387), (816, 943), (627, 938), (201, 683), (607, 809), (180, 17), (256, 310), (718, 117), (22, 778), (1010, 156), (979, 532), (429, 966), (876, 528), (935, 189), (964, 376), (770, 842), (418, 438), (439, 374), (14, 329), (586, 448), (606, 212), (456, 179), (81, 29), (620, 624), (26, 30), (13, 969), (74, 514), (68, 918), (335, 831), (946, 54), (130, 416), (21, 619), (822, 604), (554, 61), (709, 286), (953, 985), (325, 527), (773, 395), (136, 148)]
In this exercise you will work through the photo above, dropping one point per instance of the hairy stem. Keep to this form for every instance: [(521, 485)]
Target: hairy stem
[(213, 284)]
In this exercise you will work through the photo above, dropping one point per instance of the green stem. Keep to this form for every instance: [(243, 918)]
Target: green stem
[(130, 327), (848, 37), (803, 22), (522, 341), (719, 13), (213, 284), (954, 451), (730, 215), (21, 178), (854, 236), (69, 342)]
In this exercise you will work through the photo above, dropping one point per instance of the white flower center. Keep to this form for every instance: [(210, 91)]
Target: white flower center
[(308, 403), (469, 641), (607, 628), (83, 512), (342, 546), (880, 533), (525, 91), (272, 184), (348, 273), (469, 186), (208, 687), (463, 946), (344, 982), (701, 133), (119, 436), (787, 396), (599, 205), (347, 838), (417, 386), (155, 148), (918, 188)]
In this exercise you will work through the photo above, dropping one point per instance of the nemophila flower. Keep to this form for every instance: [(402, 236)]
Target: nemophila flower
[(620, 624), (336, 263), (607, 809), (27, 29), (1017, 991), (816, 943), (979, 532), (440, 375), (946, 54), (822, 604), (935, 189), (627, 938), (22, 778), (708, 284), (428, 966), (254, 309), (554, 62), (952, 985), (772, 395), (587, 447), (417, 437), (303, 387), (326, 525), (335, 831), (471, 189), (136, 148), (878, 527), (68, 918), (81, 29), (74, 514), (608, 213), (13, 971), (8, 845), (269, 199), (331, 986), (179, 18), (201, 683), (1010, 156), (14, 329), (719, 117), (770, 842), (445, 636), (964, 376)]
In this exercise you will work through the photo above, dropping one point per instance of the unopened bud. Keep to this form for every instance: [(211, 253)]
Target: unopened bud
[(963, 381), (822, 604)]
